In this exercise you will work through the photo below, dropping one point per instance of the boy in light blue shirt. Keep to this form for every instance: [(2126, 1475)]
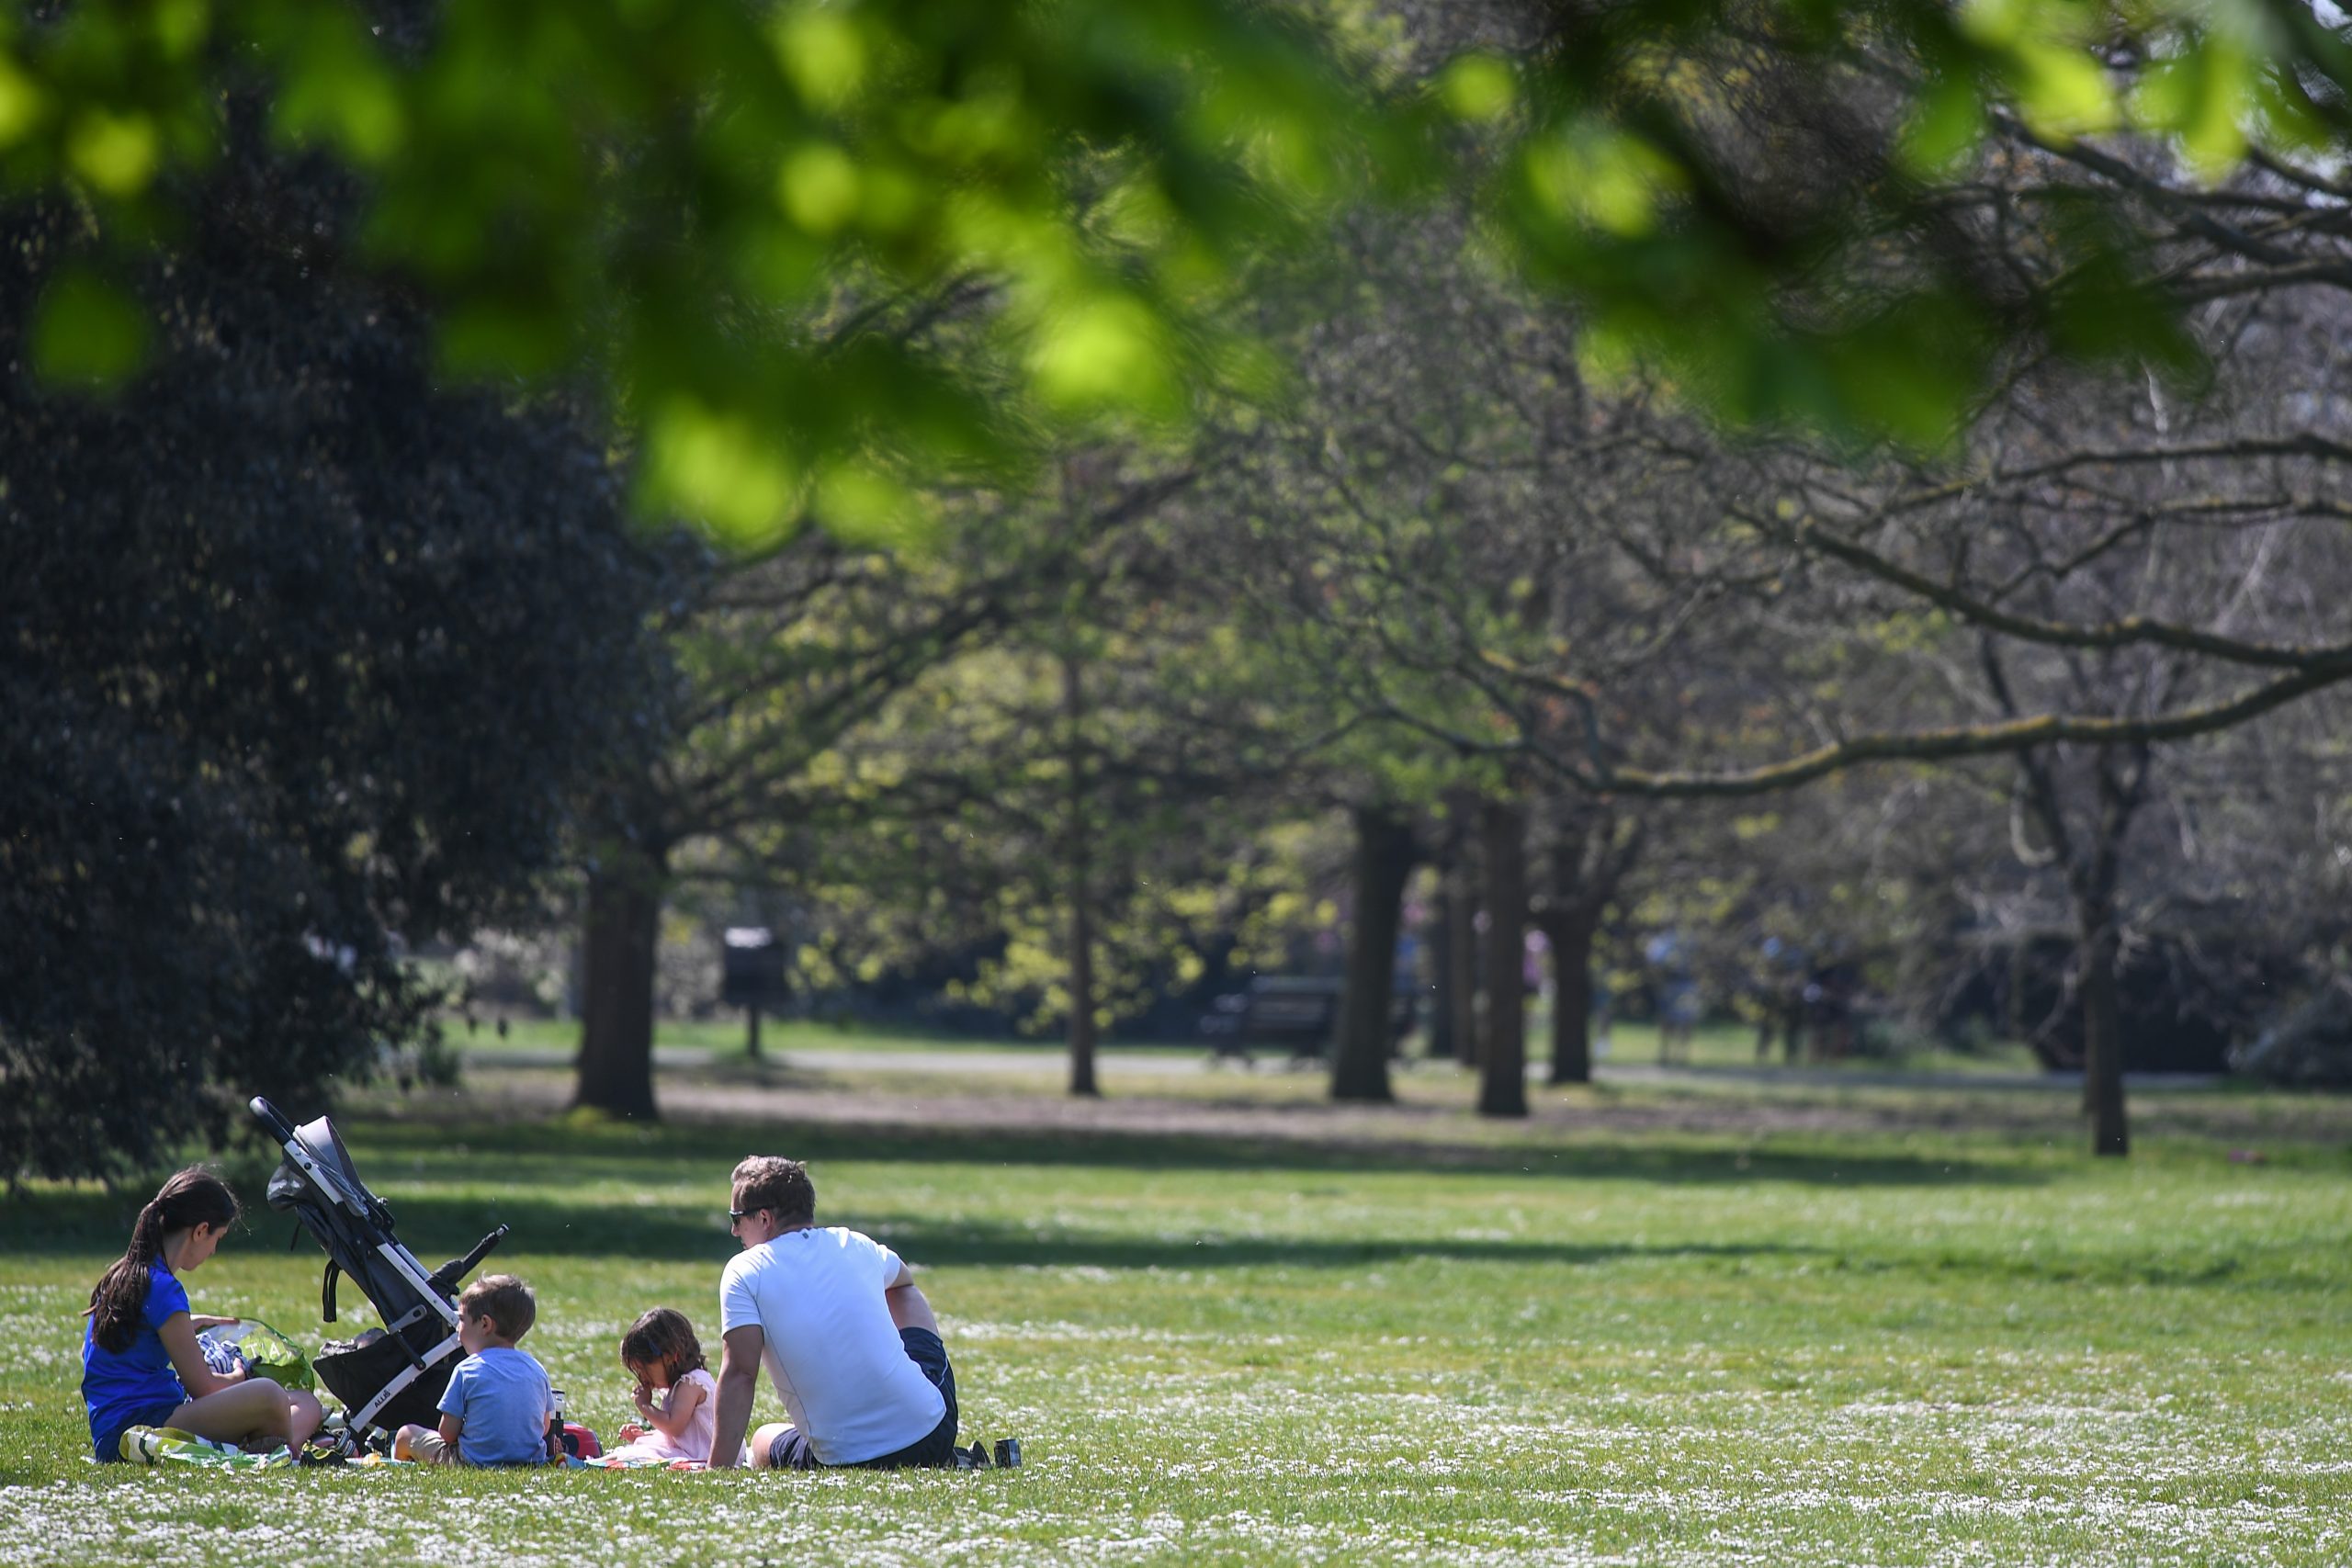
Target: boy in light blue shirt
[(498, 1405)]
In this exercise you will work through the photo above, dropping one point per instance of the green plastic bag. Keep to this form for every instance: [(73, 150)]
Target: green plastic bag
[(266, 1352)]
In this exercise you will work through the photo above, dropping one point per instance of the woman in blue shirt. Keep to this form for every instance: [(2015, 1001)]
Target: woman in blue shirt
[(141, 1363)]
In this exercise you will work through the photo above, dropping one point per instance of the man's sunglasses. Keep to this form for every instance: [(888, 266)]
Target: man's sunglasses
[(735, 1216)]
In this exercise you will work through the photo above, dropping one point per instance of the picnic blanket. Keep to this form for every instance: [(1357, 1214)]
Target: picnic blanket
[(621, 1459), (169, 1445), (374, 1460)]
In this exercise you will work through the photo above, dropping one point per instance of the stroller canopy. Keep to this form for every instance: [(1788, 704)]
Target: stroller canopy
[(341, 1186), (318, 1183)]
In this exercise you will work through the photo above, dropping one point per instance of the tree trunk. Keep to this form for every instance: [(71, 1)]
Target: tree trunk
[(751, 1032), (1081, 1000), (616, 1017), (1502, 1053), (1462, 962), (1571, 938), (2094, 863), (1081, 893), (1384, 863), (1441, 945), (2102, 1029)]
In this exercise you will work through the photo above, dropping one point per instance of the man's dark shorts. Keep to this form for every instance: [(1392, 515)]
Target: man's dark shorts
[(789, 1450)]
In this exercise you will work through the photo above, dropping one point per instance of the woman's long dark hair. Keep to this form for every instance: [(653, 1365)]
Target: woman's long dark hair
[(192, 1197)]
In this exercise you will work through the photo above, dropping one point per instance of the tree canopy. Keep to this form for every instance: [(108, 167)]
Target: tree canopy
[(691, 196), (302, 657), (1770, 196)]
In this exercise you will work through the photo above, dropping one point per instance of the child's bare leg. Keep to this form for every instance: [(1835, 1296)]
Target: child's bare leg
[(422, 1443)]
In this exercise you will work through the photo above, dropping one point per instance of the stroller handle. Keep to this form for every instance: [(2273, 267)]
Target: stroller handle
[(446, 1278), (273, 1120)]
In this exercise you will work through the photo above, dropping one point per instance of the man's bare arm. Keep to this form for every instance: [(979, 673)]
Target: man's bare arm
[(909, 1308), (738, 1374)]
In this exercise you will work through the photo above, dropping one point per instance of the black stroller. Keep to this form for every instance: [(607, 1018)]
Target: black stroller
[(399, 1377)]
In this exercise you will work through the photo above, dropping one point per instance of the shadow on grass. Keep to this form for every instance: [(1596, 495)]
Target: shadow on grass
[(713, 1148), (986, 1247), (435, 1227), (536, 1158), (88, 1221)]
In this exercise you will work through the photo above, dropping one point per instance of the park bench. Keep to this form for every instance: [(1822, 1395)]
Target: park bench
[(1294, 1010), (1301, 1012)]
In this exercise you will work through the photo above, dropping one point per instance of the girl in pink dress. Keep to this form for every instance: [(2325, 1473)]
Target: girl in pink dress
[(676, 1393)]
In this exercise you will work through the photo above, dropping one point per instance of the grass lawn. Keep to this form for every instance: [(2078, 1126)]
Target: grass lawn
[(1882, 1340)]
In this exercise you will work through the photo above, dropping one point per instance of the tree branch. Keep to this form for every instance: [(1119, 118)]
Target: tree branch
[(2006, 737)]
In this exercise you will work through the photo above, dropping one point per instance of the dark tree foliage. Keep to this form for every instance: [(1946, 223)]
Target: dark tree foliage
[(299, 657)]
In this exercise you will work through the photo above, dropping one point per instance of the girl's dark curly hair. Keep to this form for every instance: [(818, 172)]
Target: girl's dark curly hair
[(664, 1338)]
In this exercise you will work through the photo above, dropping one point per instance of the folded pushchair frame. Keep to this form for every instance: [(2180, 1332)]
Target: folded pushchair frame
[(400, 1377)]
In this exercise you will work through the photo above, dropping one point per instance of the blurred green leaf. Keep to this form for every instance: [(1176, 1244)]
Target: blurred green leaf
[(88, 333), (181, 25), (1998, 24), (334, 88), (114, 151), (22, 102), (1105, 352), (819, 188), (719, 469), (823, 52), (862, 507), (498, 337), (2200, 97), (1478, 87), (1589, 173), (2062, 92), (1945, 125)]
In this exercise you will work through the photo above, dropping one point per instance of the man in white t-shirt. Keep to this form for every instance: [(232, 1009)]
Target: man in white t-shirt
[(848, 1340)]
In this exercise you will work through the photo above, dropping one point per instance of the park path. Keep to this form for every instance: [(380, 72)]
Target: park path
[(956, 1097), (951, 1061)]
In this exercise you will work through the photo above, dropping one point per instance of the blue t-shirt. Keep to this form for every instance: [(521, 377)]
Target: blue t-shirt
[(121, 1387), (504, 1398)]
